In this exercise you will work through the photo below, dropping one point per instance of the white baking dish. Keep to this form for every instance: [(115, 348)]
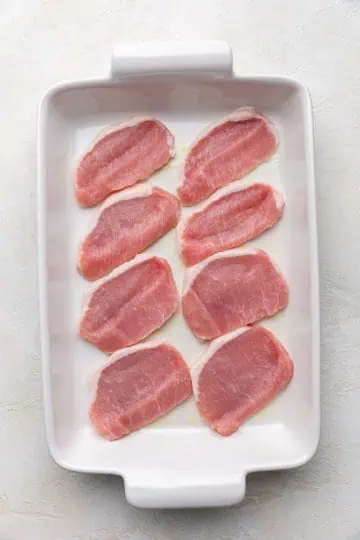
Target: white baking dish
[(178, 461)]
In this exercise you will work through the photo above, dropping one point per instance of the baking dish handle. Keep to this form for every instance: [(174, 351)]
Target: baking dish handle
[(172, 57), (180, 495)]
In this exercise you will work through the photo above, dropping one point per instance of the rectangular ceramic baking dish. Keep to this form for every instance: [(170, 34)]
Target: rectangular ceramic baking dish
[(178, 461)]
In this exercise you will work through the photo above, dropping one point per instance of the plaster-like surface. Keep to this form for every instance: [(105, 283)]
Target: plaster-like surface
[(44, 42)]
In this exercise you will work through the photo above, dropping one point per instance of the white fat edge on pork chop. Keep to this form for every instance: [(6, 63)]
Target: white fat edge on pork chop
[(131, 123), (194, 271), (233, 187), (117, 355), (212, 349), (139, 259), (137, 192), (239, 115)]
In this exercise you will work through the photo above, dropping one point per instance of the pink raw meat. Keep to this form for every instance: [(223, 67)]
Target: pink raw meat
[(128, 305), (230, 290), (234, 216), (240, 374), (226, 151), (139, 385), (127, 224), (122, 156)]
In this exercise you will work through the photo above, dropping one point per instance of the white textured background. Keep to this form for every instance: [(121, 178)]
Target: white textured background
[(43, 42)]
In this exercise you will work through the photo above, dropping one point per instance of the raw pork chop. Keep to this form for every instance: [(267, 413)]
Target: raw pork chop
[(128, 305), (240, 373), (231, 218), (127, 224), (228, 150), (139, 385), (230, 290), (122, 156)]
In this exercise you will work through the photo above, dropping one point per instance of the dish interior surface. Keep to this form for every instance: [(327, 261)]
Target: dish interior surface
[(179, 448)]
